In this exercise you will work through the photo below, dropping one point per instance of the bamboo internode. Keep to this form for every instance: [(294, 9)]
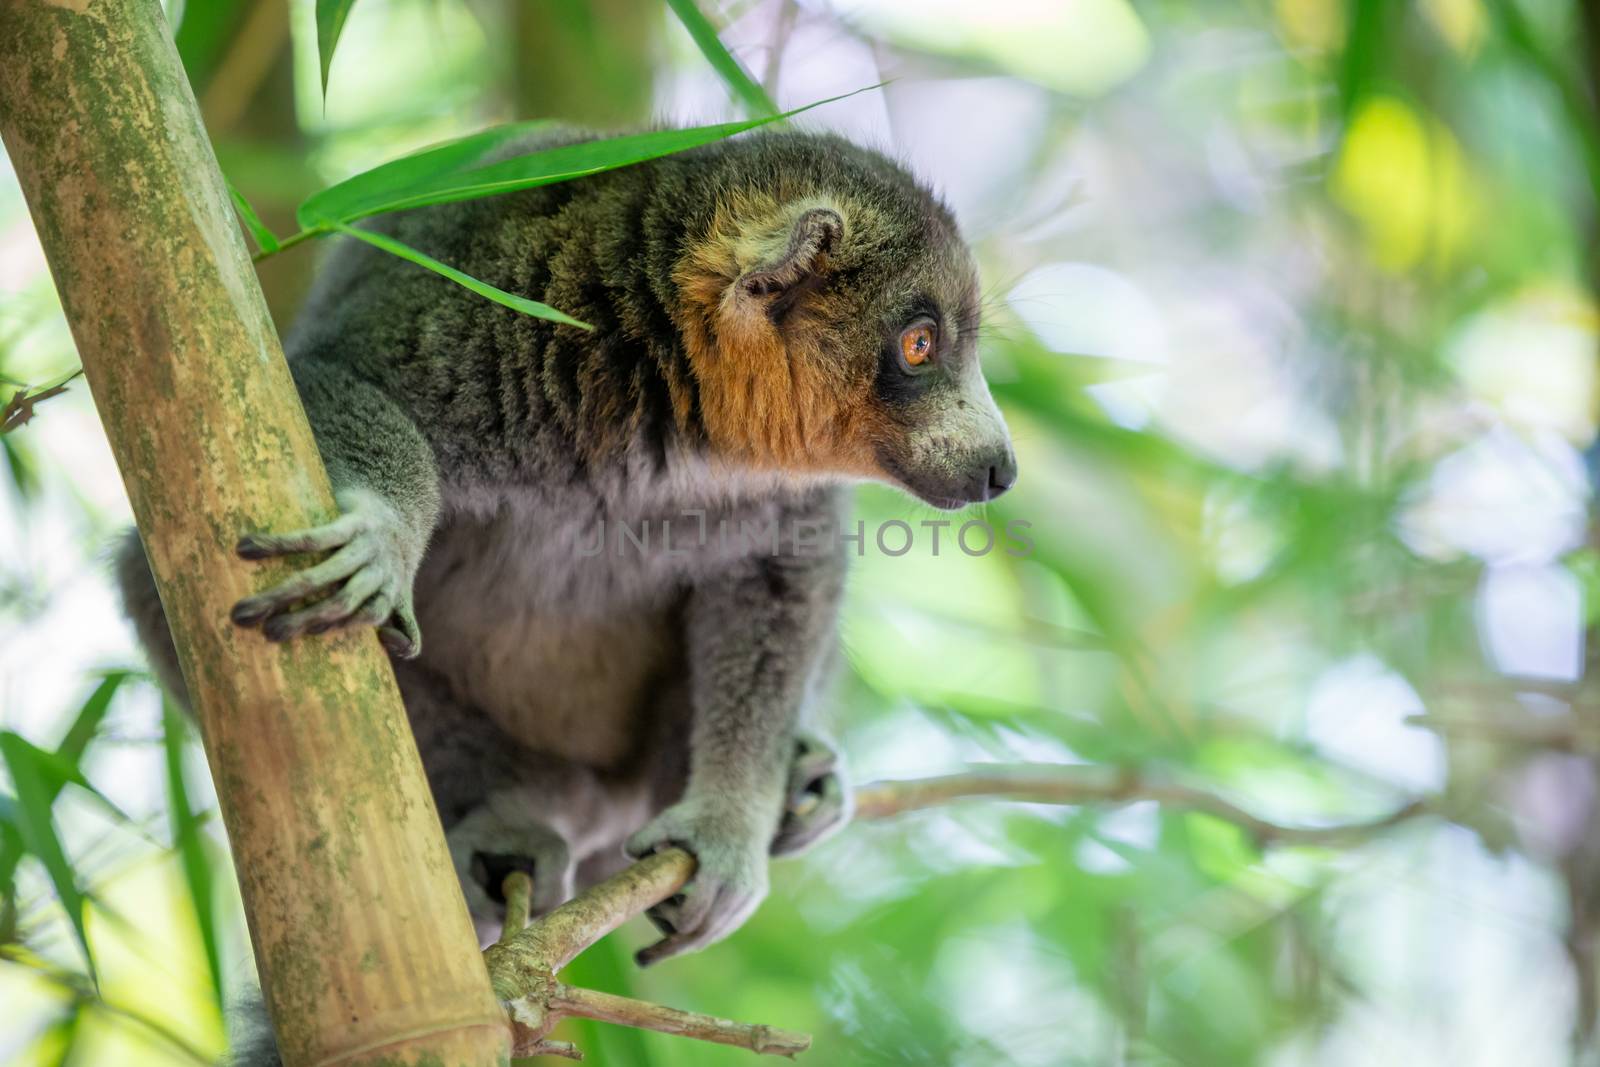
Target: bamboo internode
[(362, 937)]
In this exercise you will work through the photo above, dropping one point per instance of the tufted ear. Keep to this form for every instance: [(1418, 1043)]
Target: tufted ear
[(796, 262)]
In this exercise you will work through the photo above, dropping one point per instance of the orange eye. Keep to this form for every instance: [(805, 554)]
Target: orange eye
[(916, 345)]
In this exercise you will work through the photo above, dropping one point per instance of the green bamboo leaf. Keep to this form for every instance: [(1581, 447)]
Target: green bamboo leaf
[(22, 467), (54, 1045), (190, 843), (705, 37), (1363, 51), (205, 30), (452, 172), (331, 15), (393, 181), (59, 772), (38, 831), (10, 841), (61, 379), (85, 725), (265, 239), (466, 281)]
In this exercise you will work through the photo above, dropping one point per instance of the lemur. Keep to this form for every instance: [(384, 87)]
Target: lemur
[(774, 317)]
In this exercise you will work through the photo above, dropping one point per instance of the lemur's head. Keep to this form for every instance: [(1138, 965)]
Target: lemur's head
[(830, 308)]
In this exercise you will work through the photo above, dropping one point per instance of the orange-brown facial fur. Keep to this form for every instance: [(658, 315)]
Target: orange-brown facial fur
[(795, 300)]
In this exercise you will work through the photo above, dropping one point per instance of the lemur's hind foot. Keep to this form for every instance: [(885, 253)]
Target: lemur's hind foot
[(819, 798), (486, 846)]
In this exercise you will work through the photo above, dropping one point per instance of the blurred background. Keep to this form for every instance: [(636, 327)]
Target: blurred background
[(1292, 312)]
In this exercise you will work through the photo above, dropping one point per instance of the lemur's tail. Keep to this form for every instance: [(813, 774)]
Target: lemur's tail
[(143, 606), (253, 1043)]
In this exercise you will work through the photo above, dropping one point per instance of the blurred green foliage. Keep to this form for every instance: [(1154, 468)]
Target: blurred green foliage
[(1292, 317)]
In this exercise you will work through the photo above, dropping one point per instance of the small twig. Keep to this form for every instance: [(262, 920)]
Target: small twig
[(564, 1049), (782, 28), (530, 958), (518, 891), (609, 1008), (1077, 785), (289, 242), (523, 963), (1563, 732), (19, 409)]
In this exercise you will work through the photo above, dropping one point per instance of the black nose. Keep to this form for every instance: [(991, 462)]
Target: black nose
[(1002, 476)]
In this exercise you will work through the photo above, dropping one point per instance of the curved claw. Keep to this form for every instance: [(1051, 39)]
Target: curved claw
[(401, 635)]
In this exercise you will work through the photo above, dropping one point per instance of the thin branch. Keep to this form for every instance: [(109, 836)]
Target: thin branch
[(518, 891), (523, 964), (238, 78), (19, 409), (606, 1007), (290, 241), (530, 958), (1562, 732), (1079, 785)]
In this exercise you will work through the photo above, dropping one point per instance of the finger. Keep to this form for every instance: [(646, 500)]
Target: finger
[(733, 908), (316, 539), (398, 644), (793, 835), (796, 835), (642, 844), (552, 887), (342, 604), (812, 762), (664, 949), (665, 915), (376, 610), (800, 830), (683, 919), (403, 637), (312, 580), (726, 911), (407, 617), (694, 907), (653, 954)]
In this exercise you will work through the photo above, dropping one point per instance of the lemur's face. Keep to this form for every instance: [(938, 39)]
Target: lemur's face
[(939, 434), (831, 336)]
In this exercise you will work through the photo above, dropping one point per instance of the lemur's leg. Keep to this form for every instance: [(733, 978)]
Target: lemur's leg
[(503, 806), (387, 487), (756, 636)]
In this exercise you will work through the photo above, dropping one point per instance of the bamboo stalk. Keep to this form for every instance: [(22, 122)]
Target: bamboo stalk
[(366, 951)]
